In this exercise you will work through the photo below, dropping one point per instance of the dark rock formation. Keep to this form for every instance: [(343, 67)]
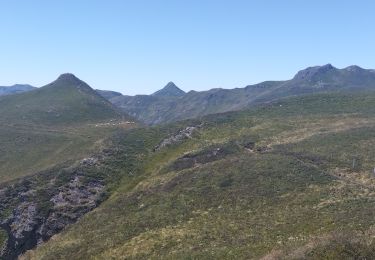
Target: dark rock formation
[(38, 207), (36, 217)]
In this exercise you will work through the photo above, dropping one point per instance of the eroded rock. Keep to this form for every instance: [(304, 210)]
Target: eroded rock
[(38, 212), (181, 135)]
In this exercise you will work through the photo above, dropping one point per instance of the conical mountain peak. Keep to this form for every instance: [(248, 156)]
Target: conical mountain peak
[(170, 85), (170, 90), (68, 77), (69, 80)]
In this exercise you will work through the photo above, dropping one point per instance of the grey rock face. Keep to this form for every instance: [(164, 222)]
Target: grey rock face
[(39, 210), (23, 219), (72, 201)]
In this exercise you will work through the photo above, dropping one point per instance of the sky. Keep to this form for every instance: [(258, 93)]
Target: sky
[(137, 47)]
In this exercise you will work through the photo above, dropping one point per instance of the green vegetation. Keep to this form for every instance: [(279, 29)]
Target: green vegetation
[(25, 151), (3, 237), (343, 247), (276, 181), (65, 101)]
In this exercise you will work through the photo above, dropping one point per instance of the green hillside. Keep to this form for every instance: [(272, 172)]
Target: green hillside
[(59, 122), (289, 180), (65, 101)]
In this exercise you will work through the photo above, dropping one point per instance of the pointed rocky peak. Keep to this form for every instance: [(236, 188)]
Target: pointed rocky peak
[(170, 90), (311, 72)]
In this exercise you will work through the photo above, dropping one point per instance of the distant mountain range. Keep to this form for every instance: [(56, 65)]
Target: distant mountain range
[(172, 104)]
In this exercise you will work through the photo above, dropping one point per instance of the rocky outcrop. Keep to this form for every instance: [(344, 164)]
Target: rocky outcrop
[(37, 207), (37, 215), (178, 137)]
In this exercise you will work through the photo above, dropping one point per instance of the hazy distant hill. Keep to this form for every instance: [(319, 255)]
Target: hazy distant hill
[(156, 108), (17, 88)]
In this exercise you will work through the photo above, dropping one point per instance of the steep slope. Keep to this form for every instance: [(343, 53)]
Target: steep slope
[(17, 88), (292, 179), (52, 124), (155, 110)]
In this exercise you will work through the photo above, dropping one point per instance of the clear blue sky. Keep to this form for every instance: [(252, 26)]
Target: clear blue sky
[(138, 46)]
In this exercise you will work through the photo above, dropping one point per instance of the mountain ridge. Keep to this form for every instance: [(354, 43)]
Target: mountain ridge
[(172, 104), (152, 109)]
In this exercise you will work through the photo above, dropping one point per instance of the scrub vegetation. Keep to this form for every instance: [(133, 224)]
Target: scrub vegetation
[(289, 180)]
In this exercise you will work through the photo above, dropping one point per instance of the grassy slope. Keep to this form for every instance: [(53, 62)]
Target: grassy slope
[(25, 151), (51, 125), (60, 103), (3, 237), (294, 195)]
